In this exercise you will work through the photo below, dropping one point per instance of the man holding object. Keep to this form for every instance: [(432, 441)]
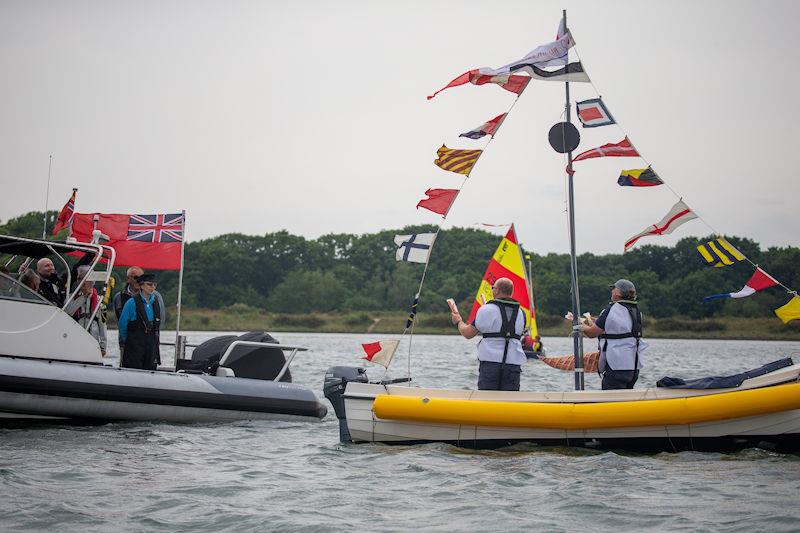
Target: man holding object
[(501, 324)]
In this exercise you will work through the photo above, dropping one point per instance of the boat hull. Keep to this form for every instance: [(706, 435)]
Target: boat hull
[(50, 390), (779, 430)]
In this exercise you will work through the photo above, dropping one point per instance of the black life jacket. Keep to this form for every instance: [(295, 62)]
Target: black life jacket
[(507, 325), (53, 290), (142, 323), (635, 332)]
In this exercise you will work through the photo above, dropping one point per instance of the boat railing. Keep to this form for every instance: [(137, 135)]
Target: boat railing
[(183, 344)]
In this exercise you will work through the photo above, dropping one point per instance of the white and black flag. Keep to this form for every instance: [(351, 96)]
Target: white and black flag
[(573, 72), (414, 248)]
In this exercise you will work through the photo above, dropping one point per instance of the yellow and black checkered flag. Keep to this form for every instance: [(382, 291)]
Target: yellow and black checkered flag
[(458, 161), (719, 253)]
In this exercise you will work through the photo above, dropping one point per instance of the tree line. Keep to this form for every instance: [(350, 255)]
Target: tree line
[(286, 273)]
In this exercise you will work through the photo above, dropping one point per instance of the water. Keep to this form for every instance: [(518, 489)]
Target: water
[(256, 476)]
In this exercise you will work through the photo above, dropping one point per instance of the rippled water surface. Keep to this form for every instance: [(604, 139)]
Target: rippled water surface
[(249, 476)]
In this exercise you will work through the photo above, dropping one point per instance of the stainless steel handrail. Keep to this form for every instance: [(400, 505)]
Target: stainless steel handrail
[(234, 344), (289, 359)]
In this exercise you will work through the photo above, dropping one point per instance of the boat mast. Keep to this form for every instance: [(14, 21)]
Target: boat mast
[(573, 264), (178, 344), (47, 198)]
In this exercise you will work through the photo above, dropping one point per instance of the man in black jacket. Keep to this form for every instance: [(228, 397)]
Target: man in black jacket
[(52, 287)]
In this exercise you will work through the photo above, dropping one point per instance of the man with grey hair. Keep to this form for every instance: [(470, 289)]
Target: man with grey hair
[(131, 289), (501, 322), (619, 333), (51, 286)]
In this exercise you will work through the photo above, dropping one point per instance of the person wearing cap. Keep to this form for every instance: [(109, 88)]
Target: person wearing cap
[(131, 289), (501, 322), (139, 327), (619, 333)]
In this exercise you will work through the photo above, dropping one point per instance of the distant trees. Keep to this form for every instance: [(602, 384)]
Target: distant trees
[(337, 272)]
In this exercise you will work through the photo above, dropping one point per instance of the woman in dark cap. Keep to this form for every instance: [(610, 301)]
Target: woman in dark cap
[(139, 327)]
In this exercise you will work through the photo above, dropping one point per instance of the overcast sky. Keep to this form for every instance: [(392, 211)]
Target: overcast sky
[(311, 116)]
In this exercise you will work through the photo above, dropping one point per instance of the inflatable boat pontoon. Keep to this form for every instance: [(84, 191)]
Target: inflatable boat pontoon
[(51, 368)]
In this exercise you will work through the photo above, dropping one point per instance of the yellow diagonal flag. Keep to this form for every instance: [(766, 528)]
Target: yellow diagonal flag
[(719, 252), (790, 311), (458, 161)]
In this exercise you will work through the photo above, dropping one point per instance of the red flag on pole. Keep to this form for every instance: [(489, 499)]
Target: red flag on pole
[(438, 200), (514, 84), (146, 241), (65, 216), (624, 148)]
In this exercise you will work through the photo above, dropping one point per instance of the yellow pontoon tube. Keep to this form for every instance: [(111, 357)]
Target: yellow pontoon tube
[(668, 412)]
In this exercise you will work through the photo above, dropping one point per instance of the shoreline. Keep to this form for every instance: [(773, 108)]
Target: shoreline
[(377, 323)]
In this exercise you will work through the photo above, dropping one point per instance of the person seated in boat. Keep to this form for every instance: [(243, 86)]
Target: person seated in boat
[(533, 344), (139, 327), (83, 307), (619, 333), (501, 322), (30, 279), (51, 286)]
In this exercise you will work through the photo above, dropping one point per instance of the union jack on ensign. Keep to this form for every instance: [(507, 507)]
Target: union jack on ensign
[(156, 228)]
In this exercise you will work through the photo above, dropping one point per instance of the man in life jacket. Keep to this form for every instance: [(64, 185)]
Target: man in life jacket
[(501, 322), (619, 333), (139, 327)]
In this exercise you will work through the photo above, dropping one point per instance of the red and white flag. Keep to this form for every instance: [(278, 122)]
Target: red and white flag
[(514, 84), (488, 128), (679, 214), (380, 352), (624, 148), (65, 216), (759, 281)]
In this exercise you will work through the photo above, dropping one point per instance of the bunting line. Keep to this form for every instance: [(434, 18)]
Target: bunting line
[(790, 291)]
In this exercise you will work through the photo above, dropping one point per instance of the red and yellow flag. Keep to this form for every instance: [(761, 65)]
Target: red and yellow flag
[(507, 263)]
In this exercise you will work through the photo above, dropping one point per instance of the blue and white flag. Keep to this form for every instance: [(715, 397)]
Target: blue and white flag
[(414, 248)]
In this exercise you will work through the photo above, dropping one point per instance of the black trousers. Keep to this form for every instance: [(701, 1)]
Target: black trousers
[(619, 379), (141, 351), (496, 376)]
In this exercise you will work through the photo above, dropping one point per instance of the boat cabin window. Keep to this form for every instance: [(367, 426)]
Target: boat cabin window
[(11, 289)]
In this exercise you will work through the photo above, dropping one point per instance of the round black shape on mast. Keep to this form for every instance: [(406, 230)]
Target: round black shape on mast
[(564, 137)]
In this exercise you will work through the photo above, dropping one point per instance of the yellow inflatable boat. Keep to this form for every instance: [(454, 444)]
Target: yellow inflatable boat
[(762, 411)]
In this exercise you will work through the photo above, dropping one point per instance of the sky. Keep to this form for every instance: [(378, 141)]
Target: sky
[(311, 116)]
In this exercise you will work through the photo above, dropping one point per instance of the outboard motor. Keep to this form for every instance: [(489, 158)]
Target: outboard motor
[(336, 380)]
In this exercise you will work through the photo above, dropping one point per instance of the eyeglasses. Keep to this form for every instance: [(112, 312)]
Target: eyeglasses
[(150, 283)]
